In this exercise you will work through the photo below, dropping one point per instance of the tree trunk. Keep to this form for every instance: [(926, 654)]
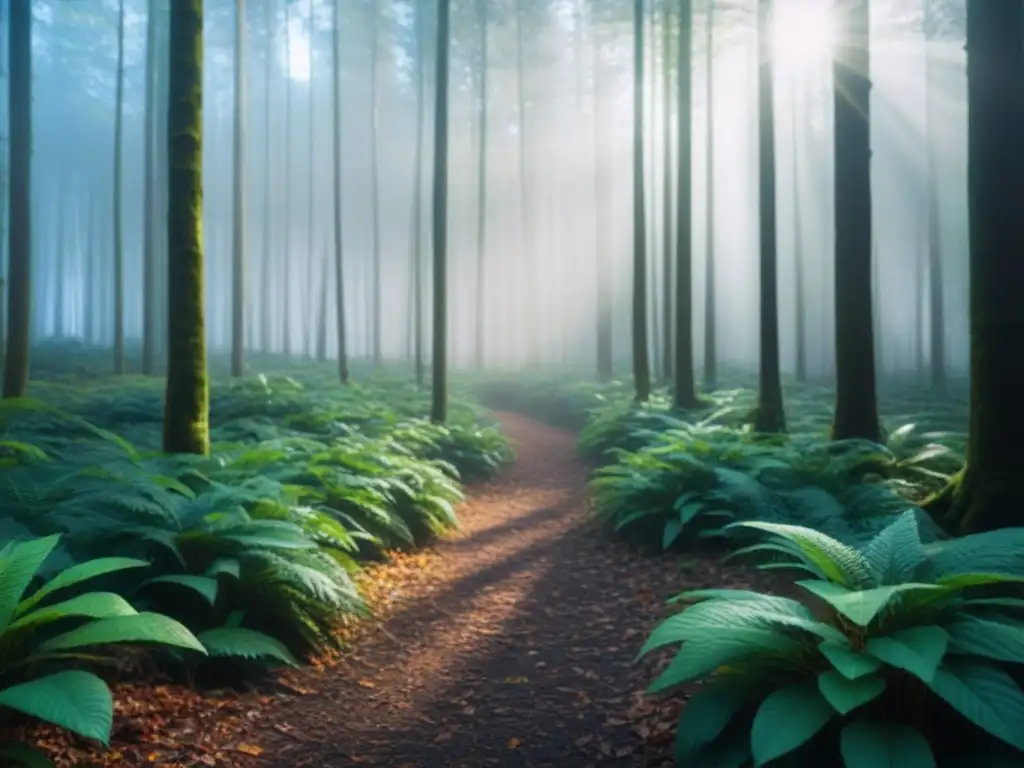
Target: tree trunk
[(377, 317), (481, 185), (339, 273), (684, 391), (266, 275), (799, 300), (666, 193), (988, 494), (641, 362), (238, 212), (856, 413), (118, 227), (417, 254), (710, 346), (605, 358), (936, 300), (770, 415), (186, 410), (286, 282), (148, 199), (530, 281), (439, 405)]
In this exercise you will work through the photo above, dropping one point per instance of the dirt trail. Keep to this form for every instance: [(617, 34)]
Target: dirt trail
[(511, 644)]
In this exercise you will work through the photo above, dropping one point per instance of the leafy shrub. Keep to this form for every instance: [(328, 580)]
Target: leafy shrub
[(890, 654), (38, 634)]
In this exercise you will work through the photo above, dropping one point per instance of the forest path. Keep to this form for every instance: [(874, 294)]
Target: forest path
[(509, 644)]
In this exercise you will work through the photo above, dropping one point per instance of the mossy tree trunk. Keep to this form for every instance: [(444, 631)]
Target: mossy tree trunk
[(19, 281), (988, 493), (684, 390), (339, 263), (856, 413), (186, 409), (439, 402), (770, 416), (238, 201), (641, 360)]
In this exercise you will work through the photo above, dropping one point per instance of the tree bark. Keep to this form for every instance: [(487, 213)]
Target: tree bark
[(377, 317), (439, 399), (148, 200), (770, 415), (481, 185), (710, 346), (186, 409), (118, 226), (238, 202), (339, 263), (641, 361), (856, 413), (605, 357), (988, 494)]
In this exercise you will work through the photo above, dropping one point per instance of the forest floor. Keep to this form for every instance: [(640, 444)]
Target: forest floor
[(510, 643)]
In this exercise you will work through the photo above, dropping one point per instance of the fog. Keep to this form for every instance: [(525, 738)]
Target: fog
[(557, 179)]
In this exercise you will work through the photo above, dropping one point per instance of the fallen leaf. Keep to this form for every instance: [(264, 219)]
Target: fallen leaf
[(250, 749), (513, 744)]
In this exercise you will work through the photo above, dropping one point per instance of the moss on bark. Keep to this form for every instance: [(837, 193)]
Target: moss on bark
[(186, 407)]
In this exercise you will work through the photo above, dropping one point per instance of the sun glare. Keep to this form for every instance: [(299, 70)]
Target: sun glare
[(802, 33)]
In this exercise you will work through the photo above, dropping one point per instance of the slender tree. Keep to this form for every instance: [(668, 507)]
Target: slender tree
[(266, 273), (641, 360), (186, 409), (799, 300), (339, 264), (377, 318), (526, 220), (439, 406), (856, 413), (604, 267), (936, 300), (238, 202), (148, 199), (417, 217), (988, 494), (481, 185), (770, 416), (668, 246), (118, 180), (684, 390), (710, 305)]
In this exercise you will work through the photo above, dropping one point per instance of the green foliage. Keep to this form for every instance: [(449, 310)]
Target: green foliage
[(40, 631), (889, 652)]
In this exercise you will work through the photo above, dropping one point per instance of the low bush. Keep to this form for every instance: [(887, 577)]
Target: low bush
[(890, 654)]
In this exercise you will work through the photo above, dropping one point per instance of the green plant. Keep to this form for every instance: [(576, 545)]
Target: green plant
[(37, 635), (885, 656)]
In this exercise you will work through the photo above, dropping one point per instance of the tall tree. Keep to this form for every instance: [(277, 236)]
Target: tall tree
[(118, 195), (439, 403), (770, 416), (266, 272), (417, 196), (641, 360), (666, 191), (377, 317), (481, 186), (936, 301), (603, 256), (684, 394), (148, 199), (799, 300), (988, 493), (526, 220), (856, 413), (238, 201), (186, 409), (339, 271), (710, 305)]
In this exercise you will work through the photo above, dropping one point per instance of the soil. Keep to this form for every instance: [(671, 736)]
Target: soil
[(511, 643)]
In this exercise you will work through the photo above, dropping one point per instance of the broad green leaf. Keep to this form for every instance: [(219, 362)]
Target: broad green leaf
[(205, 586), (724, 753), (846, 661), (985, 695), (689, 511), (707, 714), (918, 650), (79, 573), (786, 720), (78, 701), (17, 568), (698, 595), (871, 744), (673, 528), (710, 650), (225, 565), (14, 753), (94, 605), (896, 553), (846, 695), (245, 643), (140, 628), (861, 606), (841, 564), (964, 580), (997, 640)]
